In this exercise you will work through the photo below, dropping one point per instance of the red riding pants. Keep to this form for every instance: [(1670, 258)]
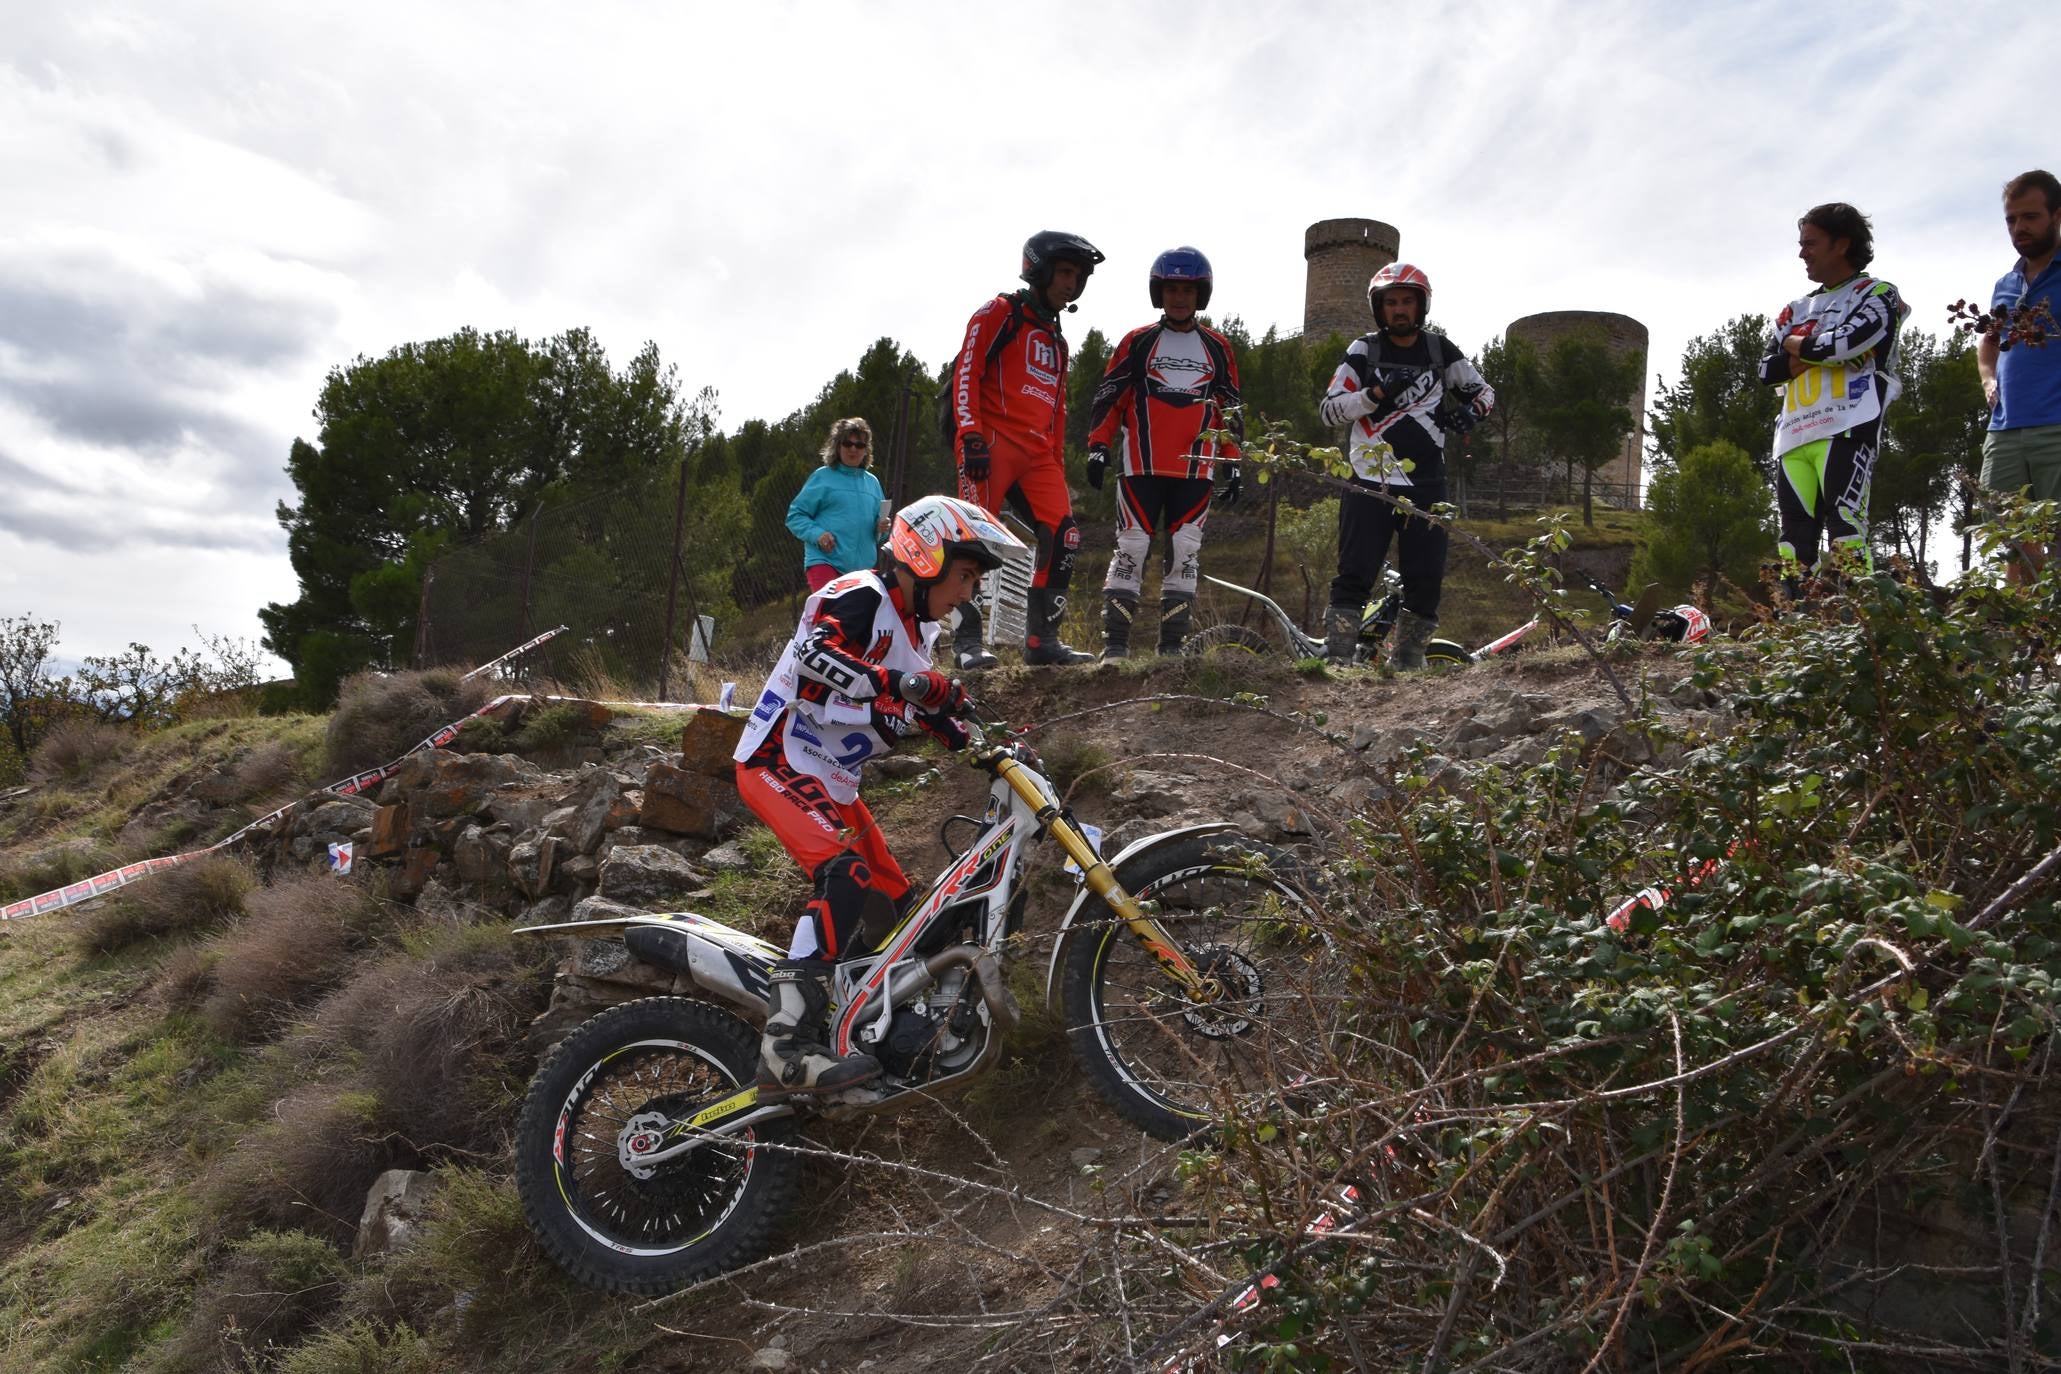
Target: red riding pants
[(838, 844)]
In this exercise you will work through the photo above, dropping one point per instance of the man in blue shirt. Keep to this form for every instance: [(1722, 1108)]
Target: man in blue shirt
[(2023, 383)]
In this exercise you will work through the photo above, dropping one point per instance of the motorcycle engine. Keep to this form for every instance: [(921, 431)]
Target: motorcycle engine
[(910, 1047)]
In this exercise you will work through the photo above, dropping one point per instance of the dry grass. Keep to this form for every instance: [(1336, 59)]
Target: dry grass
[(434, 1032), (305, 1169), (201, 895), (296, 942), (380, 717), (268, 1291), (75, 749), (270, 770)]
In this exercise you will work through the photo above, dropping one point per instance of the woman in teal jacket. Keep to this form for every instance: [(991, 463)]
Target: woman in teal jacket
[(837, 513)]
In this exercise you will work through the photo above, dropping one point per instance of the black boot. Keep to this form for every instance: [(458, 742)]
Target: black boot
[(968, 653), (1118, 611), (794, 1054), (1041, 642), (1408, 641), (1341, 635), (1173, 622)]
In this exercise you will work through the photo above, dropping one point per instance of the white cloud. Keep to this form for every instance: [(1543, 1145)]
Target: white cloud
[(212, 205)]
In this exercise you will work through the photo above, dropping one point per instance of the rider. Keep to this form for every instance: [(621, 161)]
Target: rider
[(1009, 431), (1400, 388), (855, 680), (1166, 384), (1833, 353)]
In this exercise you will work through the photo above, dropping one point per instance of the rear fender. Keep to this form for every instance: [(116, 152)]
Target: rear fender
[(723, 962), (1084, 897)]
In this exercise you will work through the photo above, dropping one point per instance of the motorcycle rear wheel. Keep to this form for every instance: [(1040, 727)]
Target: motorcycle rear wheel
[(1169, 1065), (712, 1209)]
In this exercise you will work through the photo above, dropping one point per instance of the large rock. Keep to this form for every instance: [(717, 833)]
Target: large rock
[(519, 809), (687, 803), (396, 1207), (390, 826), (481, 858), (447, 784), (584, 819), (530, 864), (336, 820), (647, 875), (708, 741)]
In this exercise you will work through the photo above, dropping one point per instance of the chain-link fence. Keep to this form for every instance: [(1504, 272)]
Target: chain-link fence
[(662, 585)]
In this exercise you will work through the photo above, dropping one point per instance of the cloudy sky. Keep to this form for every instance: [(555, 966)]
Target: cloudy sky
[(205, 207)]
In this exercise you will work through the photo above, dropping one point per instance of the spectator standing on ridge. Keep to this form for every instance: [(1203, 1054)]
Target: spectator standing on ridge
[(1401, 389), (854, 682), (840, 512), (2023, 384), (1166, 385), (1834, 354), (1008, 413)]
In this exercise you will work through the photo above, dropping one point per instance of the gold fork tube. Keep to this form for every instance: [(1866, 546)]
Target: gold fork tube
[(1103, 883)]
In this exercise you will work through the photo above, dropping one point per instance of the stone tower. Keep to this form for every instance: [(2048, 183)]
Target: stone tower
[(1627, 337), (1342, 254)]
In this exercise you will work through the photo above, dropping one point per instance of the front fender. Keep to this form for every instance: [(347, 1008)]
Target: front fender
[(1082, 896)]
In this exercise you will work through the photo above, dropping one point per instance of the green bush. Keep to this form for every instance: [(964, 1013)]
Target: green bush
[(1704, 1107)]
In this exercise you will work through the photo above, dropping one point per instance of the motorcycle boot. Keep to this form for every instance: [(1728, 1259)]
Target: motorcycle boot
[(1175, 614), (1412, 635), (1341, 634), (1118, 611), (1041, 642), (969, 655), (794, 1056)]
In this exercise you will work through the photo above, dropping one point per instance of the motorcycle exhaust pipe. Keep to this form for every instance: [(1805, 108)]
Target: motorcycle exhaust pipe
[(1001, 1003)]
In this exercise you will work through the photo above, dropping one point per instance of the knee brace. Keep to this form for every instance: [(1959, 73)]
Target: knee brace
[(839, 906), (1184, 561), (1127, 564)]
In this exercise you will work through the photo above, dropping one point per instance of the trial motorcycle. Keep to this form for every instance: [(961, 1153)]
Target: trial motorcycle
[(1190, 969)]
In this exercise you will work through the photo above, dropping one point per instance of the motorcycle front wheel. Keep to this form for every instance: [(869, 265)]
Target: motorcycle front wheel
[(680, 1221), (1169, 1063)]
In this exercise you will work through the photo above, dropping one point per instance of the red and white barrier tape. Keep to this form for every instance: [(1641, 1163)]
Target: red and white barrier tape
[(100, 884), (1326, 1222), (518, 649)]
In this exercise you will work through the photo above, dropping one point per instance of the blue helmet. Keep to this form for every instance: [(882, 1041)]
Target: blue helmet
[(1182, 264)]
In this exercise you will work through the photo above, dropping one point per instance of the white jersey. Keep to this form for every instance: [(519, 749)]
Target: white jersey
[(1850, 349), (827, 693)]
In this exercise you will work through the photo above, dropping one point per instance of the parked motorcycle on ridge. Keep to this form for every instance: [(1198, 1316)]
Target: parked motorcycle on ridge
[(1190, 970)]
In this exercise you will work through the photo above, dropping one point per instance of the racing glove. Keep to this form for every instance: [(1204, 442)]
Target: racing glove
[(974, 457), (1098, 464), (1234, 484), (932, 691), (1347, 406), (946, 730)]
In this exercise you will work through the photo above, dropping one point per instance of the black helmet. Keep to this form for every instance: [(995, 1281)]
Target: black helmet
[(1048, 246), (1181, 264)]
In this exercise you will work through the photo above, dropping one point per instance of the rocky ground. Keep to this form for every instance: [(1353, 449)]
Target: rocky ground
[(894, 1269)]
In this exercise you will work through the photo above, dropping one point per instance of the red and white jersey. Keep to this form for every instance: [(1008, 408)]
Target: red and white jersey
[(1163, 387), (833, 695), (1009, 380)]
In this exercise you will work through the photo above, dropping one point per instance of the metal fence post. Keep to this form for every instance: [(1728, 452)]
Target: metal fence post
[(665, 653)]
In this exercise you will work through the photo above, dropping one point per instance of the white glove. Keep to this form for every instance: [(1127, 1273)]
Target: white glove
[(1344, 407)]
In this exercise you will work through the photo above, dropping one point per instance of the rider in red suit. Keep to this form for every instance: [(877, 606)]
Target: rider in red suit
[(1009, 431), (1169, 387)]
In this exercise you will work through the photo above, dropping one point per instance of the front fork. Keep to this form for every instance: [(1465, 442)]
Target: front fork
[(1172, 962)]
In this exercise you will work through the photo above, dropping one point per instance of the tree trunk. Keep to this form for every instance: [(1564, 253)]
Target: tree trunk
[(1589, 497)]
